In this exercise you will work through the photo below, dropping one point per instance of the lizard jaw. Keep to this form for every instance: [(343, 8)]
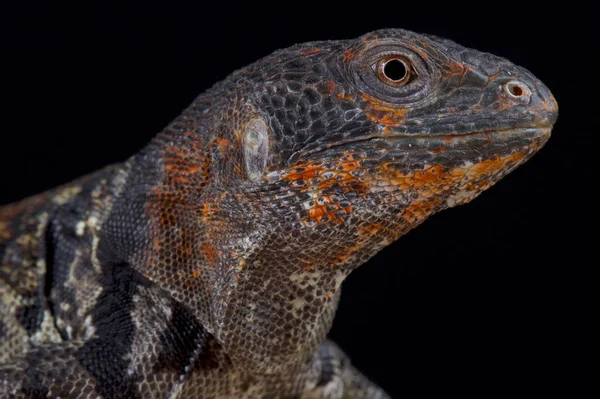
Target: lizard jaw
[(482, 142)]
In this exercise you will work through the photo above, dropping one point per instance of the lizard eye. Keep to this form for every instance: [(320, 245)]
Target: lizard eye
[(394, 70), (392, 73)]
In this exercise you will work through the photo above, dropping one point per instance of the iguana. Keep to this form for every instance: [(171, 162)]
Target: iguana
[(209, 264)]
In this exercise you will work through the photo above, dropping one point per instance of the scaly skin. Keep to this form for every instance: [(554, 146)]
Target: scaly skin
[(210, 263)]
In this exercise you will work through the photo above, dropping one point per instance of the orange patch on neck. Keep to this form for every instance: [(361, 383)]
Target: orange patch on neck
[(209, 252)]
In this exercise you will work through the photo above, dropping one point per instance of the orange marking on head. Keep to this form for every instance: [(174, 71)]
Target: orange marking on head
[(330, 87), (308, 171), (348, 55), (432, 186), (417, 178), (342, 96), (490, 166), (462, 75), (196, 273), (492, 78), (324, 208), (503, 104), (383, 114), (320, 211), (312, 51), (377, 111), (456, 68)]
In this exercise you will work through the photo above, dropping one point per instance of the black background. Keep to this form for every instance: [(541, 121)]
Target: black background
[(493, 298)]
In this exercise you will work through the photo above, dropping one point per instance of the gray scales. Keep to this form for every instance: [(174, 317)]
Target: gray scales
[(210, 263)]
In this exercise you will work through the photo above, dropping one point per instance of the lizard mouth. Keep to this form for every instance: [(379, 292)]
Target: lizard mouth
[(482, 142), (508, 137)]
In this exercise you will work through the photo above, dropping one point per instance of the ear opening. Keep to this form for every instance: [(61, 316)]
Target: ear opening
[(255, 143)]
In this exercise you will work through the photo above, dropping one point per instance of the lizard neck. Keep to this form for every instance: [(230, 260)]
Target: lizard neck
[(154, 224), (192, 244), (281, 314)]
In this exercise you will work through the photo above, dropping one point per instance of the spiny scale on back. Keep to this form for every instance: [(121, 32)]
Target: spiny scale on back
[(210, 263)]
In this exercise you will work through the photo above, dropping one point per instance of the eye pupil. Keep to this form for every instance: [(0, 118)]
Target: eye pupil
[(395, 70)]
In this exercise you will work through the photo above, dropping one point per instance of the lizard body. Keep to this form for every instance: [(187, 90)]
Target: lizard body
[(210, 263)]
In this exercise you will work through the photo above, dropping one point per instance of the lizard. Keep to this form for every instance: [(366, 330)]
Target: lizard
[(210, 263)]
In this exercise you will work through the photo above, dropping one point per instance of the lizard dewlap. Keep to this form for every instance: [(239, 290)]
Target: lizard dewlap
[(210, 263)]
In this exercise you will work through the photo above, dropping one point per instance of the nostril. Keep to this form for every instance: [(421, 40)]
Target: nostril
[(517, 90)]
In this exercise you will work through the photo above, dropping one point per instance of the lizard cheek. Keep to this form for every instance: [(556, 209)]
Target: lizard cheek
[(256, 148)]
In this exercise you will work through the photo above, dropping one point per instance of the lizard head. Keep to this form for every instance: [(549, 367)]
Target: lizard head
[(324, 153), (345, 146)]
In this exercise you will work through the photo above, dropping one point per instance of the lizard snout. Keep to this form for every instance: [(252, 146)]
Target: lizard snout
[(527, 90)]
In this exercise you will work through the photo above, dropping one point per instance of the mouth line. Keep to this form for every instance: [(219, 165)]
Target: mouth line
[(421, 140), (475, 133)]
